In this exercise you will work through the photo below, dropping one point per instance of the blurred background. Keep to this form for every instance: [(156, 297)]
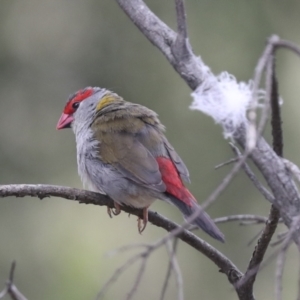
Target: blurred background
[(51, 48)]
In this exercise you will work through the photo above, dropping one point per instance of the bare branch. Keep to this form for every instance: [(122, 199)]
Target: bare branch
[(117, 273), (11, 289), (252, 135), (126, 248), (255, 237), (279, 272), (252, 176), (193, 71), (280, 238), (285, 244), (275, 108), (288, 45), (226, 181), (230, 161), (169, 271), (271, 224), (261, 247), (181, 48), (143, 256), (181, 19), (253, 218), (266, 61), (138, 278), (41, 191), (293, 168), (175, 267)]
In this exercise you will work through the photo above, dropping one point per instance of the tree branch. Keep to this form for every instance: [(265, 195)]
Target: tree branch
[(252, 176), (11, 289), (42, 191), (269, 162), (193, 70), (251, 219)]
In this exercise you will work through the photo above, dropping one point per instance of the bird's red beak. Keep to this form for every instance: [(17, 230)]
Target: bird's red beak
[(64, 121)]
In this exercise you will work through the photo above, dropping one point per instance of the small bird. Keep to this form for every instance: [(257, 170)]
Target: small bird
[(122, 152)]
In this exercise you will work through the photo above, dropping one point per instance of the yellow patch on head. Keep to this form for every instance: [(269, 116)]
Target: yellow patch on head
[(105, 101)]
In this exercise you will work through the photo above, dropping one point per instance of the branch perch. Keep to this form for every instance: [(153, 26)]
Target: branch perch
[(82, 196)]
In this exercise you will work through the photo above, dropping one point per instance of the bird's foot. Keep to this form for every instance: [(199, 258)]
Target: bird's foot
[(114, 211), (117, 209), (142, 223), (109, 211)]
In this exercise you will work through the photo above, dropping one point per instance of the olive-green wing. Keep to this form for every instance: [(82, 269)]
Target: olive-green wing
[(131, 158)]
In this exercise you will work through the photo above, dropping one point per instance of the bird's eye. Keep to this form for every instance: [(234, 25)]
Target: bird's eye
[(75, 105)]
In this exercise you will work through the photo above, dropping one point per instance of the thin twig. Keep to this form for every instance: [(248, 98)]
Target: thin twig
[(288, 45), (285, 244), (293, 168), (228, 162), (271, 225), (126, 248), (138, 277), (169, 270), (255, 219), (117, 273), (225, 182), (10, 288), (175, 267), (252, 176), (143, 256), (255, 237), (252, 134), (271, 95), (279, 271), (280, 238)]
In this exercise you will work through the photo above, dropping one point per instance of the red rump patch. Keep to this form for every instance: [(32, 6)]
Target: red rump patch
[(77, 97), (173, 182)]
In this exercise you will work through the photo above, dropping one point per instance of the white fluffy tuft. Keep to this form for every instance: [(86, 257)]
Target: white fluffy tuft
[(225, 100)]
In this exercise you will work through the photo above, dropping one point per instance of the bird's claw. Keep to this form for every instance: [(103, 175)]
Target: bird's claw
[(117, 210), (109, 211), (141, 227), (114, 211)]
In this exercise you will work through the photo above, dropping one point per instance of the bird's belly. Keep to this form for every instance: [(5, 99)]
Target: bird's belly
[(138, 201), (106, 179), (103, 178)]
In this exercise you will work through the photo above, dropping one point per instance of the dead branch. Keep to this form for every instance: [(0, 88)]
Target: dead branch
[(10, 288), (173, 266), (42, 191), (264, 191), (271, 224), (250, 219)]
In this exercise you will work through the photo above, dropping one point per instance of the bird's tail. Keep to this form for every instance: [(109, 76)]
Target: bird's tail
[(203, 220)]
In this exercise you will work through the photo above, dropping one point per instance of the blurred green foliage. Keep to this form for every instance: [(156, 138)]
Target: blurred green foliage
[(51, 48)]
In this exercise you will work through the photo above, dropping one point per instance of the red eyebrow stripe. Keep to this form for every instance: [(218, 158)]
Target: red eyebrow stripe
[(81, 95), (77, 97)]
